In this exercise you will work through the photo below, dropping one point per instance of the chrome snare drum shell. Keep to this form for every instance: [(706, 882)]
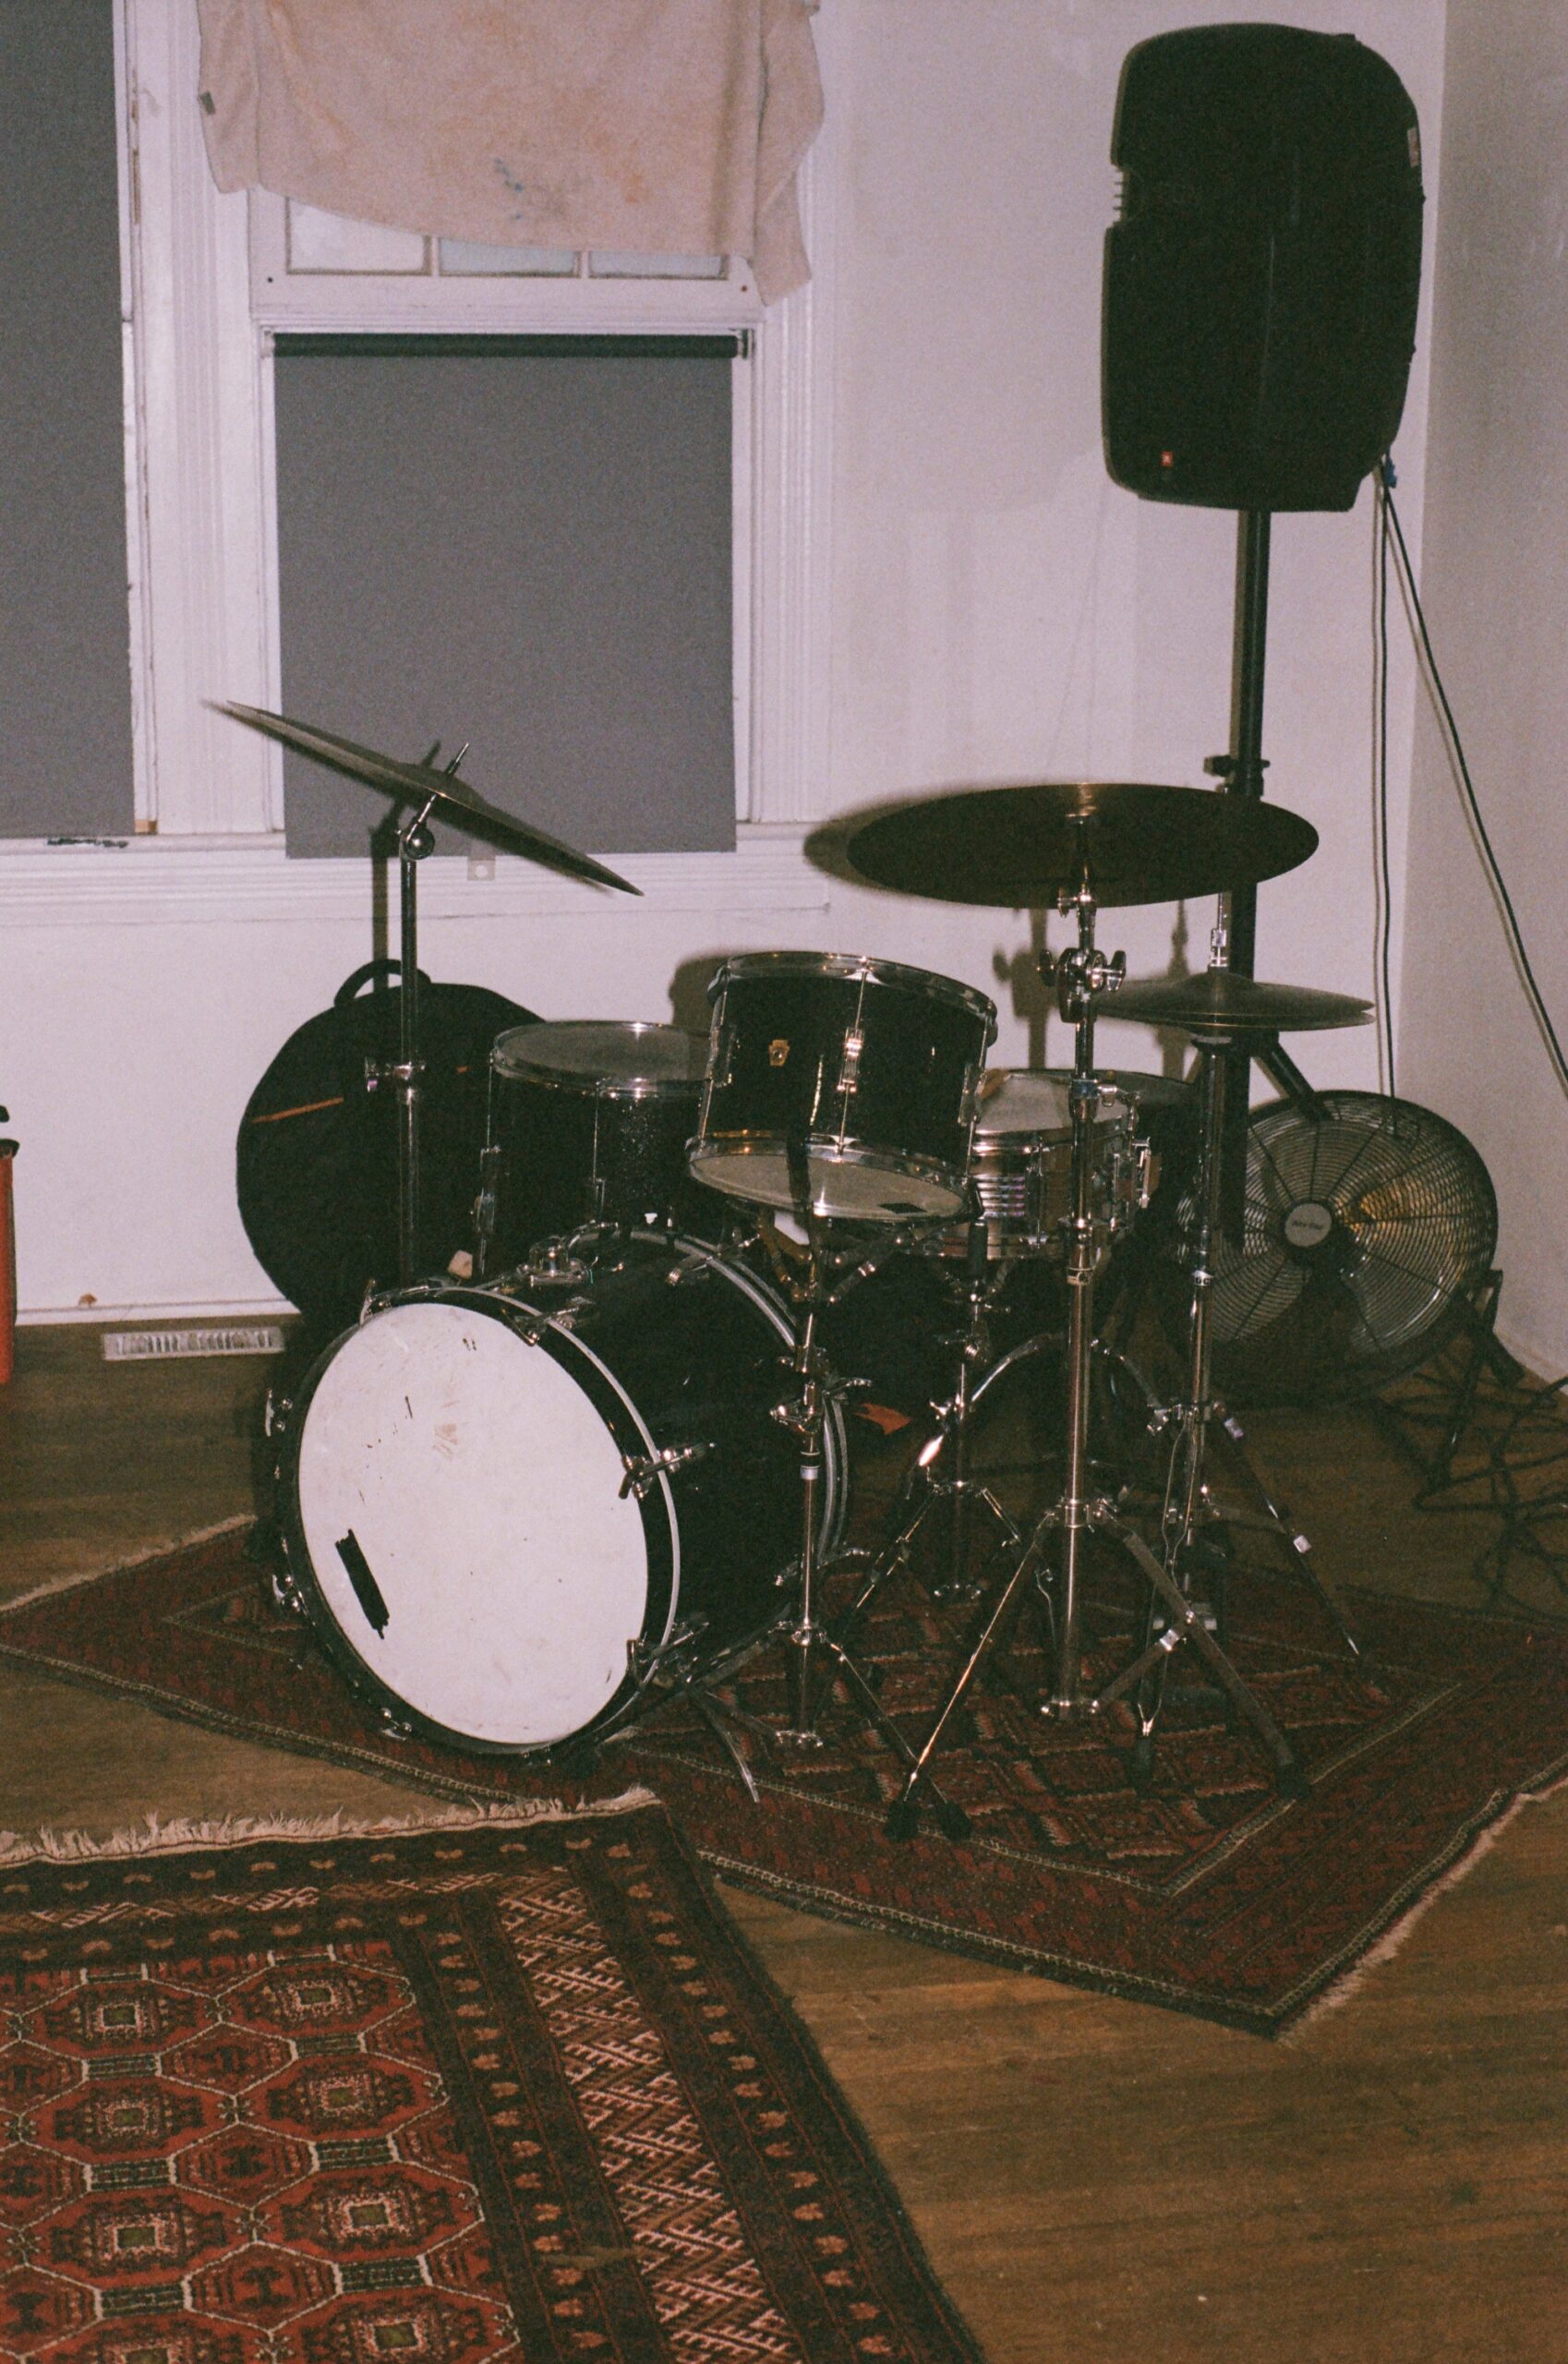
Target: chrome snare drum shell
[(1020, 1163), (872, 1066)]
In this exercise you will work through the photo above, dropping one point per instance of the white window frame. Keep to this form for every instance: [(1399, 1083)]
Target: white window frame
[(201, 540)]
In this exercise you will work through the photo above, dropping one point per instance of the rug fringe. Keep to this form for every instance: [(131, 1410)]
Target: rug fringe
[(157, 1836), (55, 1585), (1345, 1989)]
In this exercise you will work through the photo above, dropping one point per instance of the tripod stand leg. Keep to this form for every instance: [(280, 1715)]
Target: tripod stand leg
[(1276, 1520), (720, 1726), (900, 1816), (903, 1815), (893, 1558), (1187, 1626)]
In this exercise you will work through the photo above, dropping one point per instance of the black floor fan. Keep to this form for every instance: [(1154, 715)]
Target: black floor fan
[(1369, 1226)]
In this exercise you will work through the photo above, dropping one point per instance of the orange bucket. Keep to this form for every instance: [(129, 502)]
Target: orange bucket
[(8, 1262)]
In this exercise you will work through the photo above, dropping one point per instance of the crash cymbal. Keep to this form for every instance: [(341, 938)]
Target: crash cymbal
[(420, 783), (1220, 1004), (1018, 847)]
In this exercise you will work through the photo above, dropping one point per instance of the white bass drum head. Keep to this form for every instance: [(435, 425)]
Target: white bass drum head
[(459, 1500)]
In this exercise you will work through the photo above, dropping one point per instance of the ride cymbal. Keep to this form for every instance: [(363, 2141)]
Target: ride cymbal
[(454, 799), (1219, 1003), (1021, 847)]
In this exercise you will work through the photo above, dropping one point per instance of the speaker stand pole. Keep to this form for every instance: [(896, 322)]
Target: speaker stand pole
[(1242, 772)]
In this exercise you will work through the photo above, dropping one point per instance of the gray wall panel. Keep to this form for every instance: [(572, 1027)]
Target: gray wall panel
[(64, 633), (526, 550)]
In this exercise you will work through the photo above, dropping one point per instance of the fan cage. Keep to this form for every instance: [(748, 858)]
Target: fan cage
[(1368, 1226)]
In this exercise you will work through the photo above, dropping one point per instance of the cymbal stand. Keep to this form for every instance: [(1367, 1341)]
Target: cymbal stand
[(414, 841), (1080, 975), (816, 1657), (1188, 1505)]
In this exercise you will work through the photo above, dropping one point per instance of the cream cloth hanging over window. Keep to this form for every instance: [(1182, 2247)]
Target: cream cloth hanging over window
[(654, 126)]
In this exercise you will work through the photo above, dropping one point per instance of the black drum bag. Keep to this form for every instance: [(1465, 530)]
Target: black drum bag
[(317, 1155)]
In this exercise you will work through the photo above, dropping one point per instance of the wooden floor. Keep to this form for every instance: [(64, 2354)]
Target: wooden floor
[(1094, 2179)]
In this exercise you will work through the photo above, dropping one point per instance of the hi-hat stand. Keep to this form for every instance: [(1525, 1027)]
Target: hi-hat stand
[(1189, 1510), (1081, 975)]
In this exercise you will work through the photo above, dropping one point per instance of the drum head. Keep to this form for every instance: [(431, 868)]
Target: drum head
[(1031, 1103), (611, 1055), (848, 1185), (458, 1498)]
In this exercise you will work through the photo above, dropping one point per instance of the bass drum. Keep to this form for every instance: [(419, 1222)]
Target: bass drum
[(500, 1514)]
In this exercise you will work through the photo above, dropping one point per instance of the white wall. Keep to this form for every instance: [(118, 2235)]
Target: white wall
[(1496, 590), (1000, 612)]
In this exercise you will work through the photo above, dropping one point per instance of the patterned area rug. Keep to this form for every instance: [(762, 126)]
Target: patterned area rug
[(1208, 1892), (453, 2096)]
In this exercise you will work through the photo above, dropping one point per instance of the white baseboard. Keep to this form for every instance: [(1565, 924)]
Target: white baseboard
[(182, 1314)]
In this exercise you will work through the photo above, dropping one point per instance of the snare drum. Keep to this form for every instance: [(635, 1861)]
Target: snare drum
[(873, 1067), (588, 1124), (499, 1519), (1022, 1159)]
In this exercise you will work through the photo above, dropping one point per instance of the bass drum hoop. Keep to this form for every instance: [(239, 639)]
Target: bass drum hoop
[(630, 1434)]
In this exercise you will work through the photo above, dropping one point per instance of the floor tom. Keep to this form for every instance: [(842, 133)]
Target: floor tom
[(588, 1124)]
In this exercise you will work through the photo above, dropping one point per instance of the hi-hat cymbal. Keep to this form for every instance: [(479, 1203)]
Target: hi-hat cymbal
[(1020, 847), (1220, 1004), (452, 797)]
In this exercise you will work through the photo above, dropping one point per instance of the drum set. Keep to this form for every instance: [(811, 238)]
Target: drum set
[(528, 1506)]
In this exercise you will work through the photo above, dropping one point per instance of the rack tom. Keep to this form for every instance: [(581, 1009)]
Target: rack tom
[(874, 1068), (589, 1121)]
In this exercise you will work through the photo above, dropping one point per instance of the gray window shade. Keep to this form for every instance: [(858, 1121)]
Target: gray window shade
[(524, 543), (64, 624)]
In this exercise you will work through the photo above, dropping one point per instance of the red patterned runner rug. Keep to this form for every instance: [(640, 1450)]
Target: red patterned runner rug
[(452, 2095), (1208, 1893)]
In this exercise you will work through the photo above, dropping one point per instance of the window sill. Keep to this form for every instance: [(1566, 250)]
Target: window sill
[(196, 882)]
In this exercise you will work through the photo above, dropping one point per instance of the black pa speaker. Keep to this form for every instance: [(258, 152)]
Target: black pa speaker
[(1261, 278)]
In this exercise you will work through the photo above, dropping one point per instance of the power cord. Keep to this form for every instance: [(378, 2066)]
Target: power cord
[(1383, 481)]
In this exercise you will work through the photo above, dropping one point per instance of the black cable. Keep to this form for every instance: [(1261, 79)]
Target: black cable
[(1472, 805), (1385, 878)]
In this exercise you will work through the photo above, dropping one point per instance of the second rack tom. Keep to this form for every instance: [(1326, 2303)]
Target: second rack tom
[(873, 1067)]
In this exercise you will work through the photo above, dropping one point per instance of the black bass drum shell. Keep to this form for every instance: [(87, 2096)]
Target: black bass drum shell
[(316, 1153)]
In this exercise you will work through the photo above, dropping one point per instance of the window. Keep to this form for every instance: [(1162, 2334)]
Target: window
[(205, 306), (521, 542), (65, 628), (405, 324)]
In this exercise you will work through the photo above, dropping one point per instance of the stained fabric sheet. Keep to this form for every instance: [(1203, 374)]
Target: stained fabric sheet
[(649, 126)]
